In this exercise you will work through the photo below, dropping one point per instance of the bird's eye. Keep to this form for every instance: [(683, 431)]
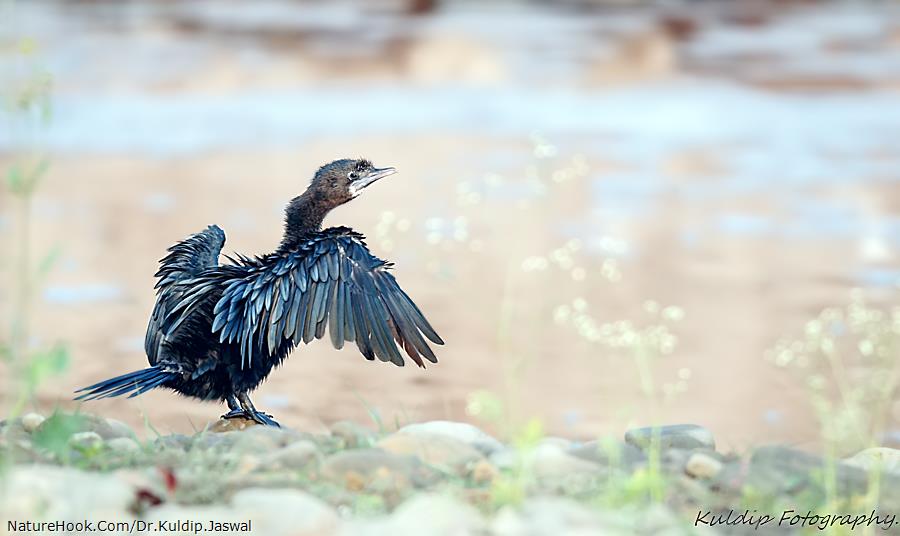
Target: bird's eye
[(353, 175)]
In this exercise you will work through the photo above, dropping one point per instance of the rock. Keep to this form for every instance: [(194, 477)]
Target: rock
[(63, 493), (123, 445), (285, 511), (352, 435), (364, 468), (256, 439), (702, 465), (506, 458), (84, 422), (437, 515), (611, 453), (879, 458), (549, 461), (85, 440), (559, 442), (171, 450), (444, 452), (458, 430), (483, 472), (173, 441), (777, 469), (231, 425), (549, 515), (683, 436), (297, 455), (31, 421)]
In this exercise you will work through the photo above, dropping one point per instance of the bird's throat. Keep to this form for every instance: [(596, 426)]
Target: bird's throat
[(304, 215)]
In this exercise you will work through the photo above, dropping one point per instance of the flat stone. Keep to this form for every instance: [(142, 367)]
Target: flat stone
[(461, 431), (683, 436), (85, 422), (550, 515), (255, 439), (444, 452), (549, 461), (611, 453), (777, 469), (285, 511), (438, 515), (64, 493), (878, 458)]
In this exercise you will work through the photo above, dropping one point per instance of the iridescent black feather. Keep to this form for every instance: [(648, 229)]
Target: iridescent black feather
[(217, 331)]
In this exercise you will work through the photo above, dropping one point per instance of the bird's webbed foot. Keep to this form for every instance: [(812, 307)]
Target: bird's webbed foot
[(236, 414), (236, 410), (249, 411), (264, 418)]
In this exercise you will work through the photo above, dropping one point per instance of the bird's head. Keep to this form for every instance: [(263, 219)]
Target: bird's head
[(342, 180)]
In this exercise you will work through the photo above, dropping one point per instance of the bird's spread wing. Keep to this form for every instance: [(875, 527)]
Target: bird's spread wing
[(330, 284), (185, 261)]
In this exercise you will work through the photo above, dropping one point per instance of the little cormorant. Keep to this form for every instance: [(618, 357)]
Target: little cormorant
[(217, 330)]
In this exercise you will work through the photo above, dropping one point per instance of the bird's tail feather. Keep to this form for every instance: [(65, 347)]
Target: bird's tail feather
[(135, 383)]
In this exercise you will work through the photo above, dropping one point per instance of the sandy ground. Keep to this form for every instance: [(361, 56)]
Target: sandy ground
[(113, 213)]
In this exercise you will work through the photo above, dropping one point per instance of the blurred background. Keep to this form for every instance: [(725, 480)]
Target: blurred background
[(612, 211)]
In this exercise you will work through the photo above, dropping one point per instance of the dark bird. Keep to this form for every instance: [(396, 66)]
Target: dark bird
[(217, 330)]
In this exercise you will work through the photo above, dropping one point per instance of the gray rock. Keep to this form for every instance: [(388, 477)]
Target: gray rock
[(124, 445), (683, 436), (610, 453), (352, 435), (285, 511), (85, 440), (367, 468), (464, 432), (778, 469), (429, 514), (296, 455), (438, 515), (173, 441), (550, 516), (63, 493), (879, 458), (550, 461), (559, 442), (506, 458), (443, 452), (31, 421), (84, 422), (255, 439), (703, 465)]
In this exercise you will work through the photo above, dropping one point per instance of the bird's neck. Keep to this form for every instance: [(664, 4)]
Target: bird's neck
[(304, 215)]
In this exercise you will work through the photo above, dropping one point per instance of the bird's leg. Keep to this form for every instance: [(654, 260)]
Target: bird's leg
[(235, 407), (252, 413)]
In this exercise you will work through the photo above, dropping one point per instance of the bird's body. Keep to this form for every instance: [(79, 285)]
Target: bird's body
[(218, 330)]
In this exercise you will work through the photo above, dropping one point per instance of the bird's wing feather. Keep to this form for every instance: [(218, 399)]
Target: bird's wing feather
[(185, 261), (332, 284)]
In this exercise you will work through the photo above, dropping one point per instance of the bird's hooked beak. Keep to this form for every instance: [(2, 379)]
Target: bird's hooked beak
[(370, 177)]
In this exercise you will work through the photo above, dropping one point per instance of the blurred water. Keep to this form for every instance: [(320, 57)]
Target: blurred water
[(91, 293)]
